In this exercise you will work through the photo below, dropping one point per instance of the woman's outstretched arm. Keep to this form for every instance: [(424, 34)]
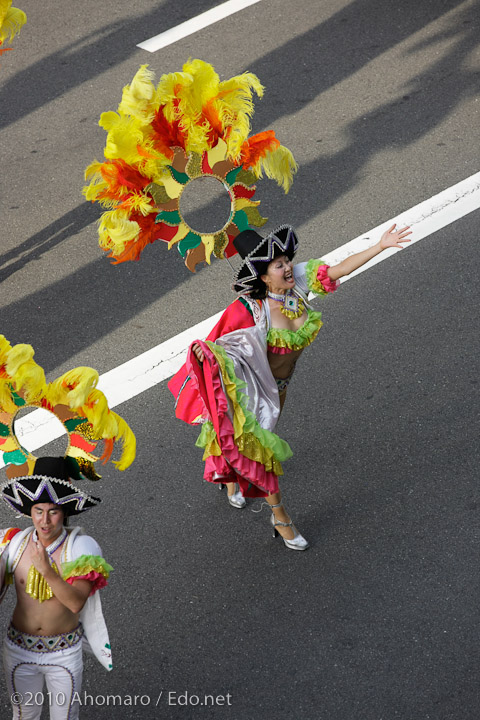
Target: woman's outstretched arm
[(390, 238)]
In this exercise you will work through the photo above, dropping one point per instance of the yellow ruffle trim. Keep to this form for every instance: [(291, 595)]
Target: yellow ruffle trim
[(313, 281), (248, 445), (296, 339), (86, 564), (253, 450)]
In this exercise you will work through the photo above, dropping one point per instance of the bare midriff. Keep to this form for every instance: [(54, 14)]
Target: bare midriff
[(282, 366)]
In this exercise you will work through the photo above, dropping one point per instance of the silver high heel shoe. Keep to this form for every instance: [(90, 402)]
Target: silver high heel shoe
[(236, 500), (298, 542)]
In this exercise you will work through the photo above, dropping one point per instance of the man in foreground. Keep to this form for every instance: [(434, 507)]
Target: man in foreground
[(57, 571)]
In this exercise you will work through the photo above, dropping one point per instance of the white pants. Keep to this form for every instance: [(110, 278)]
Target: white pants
[(27, 671)]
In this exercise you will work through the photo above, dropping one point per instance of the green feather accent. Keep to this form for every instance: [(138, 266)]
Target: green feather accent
[(72, 423), (19, 401), (15, 457)]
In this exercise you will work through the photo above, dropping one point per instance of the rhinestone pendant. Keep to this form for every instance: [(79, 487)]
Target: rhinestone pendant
[(293, 306), (291, 302)]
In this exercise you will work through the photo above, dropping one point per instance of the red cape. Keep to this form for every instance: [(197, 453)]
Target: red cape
[(189, 406)]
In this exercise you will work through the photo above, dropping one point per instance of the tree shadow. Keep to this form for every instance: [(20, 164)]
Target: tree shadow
[(427, 101), (305, 66), (90, 56), (54, 234), (325, 55), (70, 314)]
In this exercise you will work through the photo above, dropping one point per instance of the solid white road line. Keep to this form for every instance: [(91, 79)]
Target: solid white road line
[(197, 23), (162, 361)]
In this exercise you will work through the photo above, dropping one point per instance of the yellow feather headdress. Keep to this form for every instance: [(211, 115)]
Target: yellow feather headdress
[(163, 138), (11, 21), (73, 398)]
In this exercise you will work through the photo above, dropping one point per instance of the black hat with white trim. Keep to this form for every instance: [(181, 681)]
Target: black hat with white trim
[(49, 483), (257, 252)]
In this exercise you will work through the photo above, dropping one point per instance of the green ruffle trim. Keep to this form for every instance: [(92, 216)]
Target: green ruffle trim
[(279, 448), (207, 437), (296, 339), (311, 270), (85, 564)]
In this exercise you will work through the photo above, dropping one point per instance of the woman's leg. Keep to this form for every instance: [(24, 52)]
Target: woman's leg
[(281, 515), (283, 525)]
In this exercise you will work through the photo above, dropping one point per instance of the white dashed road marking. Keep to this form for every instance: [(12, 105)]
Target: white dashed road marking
[(197, 23)]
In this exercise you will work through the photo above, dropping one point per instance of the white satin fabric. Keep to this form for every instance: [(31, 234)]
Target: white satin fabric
[(247, 349)]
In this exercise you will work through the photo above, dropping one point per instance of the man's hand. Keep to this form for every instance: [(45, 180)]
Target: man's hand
[(40, 559), (72, 596)]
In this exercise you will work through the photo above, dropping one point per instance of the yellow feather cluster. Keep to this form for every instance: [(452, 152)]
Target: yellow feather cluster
[(138, 97), (278, 165), (76, 389), (19, 373), (124, 435), (73, 387), (182, 96), (190, 111), (11, 20), (116, 230)]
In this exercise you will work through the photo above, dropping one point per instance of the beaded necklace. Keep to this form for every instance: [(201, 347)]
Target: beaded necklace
[(292, 305)]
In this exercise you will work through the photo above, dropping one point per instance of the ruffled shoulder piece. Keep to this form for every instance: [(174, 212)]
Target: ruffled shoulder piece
[(6, 577), (282, 340), (6, 536), (87, 567), (317, 278)]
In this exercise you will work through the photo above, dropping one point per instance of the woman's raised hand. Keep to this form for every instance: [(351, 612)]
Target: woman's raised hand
[(393, 238)]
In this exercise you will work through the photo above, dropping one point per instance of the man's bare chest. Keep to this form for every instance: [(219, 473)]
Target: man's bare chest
[(25, 565)]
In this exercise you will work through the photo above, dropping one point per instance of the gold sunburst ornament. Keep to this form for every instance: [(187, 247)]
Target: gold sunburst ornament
[(164, 138)]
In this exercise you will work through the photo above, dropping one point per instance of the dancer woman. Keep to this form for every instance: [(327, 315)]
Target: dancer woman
[(235, 383)]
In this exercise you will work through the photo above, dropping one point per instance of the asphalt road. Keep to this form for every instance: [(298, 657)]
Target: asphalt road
[(379, 620)]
